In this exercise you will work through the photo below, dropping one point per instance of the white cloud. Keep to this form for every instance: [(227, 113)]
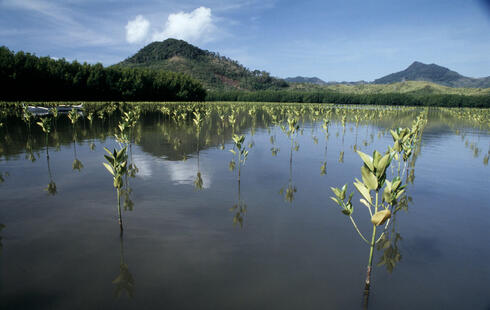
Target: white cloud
[(137, 29), (196, 26)]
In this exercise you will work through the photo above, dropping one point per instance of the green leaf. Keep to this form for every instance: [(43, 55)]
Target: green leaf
[(363, 190), (109, 168), (380, 217), (364, 202), (337, 201), (376, 158), (382, 164), (368, 160), (369, 178), (109, 159), (336, 191), (109, 152)]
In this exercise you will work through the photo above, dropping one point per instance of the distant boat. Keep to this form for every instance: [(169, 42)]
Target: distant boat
[(38, 110)]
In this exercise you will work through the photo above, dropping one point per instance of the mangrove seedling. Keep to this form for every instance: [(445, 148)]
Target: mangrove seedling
[(239, 151), (373, 174), (74, 116), (198, 120), (45, 125), (117, 167)]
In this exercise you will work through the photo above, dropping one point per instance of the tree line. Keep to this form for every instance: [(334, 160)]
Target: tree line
[(440, 100), (26, 77)]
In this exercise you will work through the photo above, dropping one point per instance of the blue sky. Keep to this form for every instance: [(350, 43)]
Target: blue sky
[(333, 40)]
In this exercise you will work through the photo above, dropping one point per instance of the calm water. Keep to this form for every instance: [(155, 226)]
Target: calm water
[(182, 248)]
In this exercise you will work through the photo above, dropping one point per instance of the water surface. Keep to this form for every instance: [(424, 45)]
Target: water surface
[(186, 247)]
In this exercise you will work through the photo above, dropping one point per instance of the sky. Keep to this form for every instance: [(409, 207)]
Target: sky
[(335, 40)]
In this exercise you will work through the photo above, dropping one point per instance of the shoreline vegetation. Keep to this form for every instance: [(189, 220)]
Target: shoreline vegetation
[(395, 99), (27, 78)]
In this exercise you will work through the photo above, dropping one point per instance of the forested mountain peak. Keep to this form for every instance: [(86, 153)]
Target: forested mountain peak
[(210, 68), (419, 71), (159, 51)]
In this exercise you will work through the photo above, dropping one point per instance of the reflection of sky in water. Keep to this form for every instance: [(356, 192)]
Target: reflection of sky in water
[(179, 172), (181, 242)]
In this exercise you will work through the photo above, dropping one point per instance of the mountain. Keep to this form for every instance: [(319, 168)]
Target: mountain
[(418, 71), (212, 70), (302, 79)]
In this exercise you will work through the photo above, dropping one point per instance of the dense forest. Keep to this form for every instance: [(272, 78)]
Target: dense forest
[(216, 72), (443, 100), (24, 76)]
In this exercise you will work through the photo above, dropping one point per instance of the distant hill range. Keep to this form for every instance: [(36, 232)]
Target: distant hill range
[(214, 71), (218, 72), (318, 81), (418, 71), (302, 79)]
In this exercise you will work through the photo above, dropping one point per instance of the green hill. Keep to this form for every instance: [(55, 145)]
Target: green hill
[(214, 71), (418, 71), (308, 80)]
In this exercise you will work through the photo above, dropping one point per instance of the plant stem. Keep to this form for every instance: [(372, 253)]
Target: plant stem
[(358, 231), (370, 262), (239, 164), (119, 209)]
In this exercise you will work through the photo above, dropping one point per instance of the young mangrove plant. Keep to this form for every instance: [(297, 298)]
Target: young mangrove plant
[(198, 121), (292, 131), (117, 166), (74, 116), (45, 124), (323, 167), (27, 117), (380, 208), (240, 152)]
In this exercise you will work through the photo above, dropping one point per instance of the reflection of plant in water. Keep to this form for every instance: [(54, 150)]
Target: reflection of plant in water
[(3, 175), (373, 179), (391, 253), (2, 227), (239, 209), (341, 157), (124, 281)]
